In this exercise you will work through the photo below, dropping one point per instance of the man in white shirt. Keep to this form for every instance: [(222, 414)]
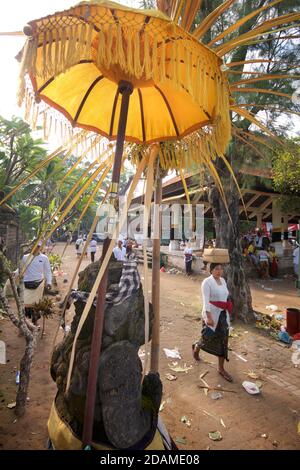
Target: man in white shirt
[(36, 270), (119, 251), (93, 249), (188, 255)]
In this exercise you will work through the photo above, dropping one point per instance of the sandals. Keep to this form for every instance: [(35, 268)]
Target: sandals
[(196, 350), (226, 376)]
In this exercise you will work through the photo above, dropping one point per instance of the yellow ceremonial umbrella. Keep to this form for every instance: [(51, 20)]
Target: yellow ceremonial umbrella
[(76, 60), (129, 75)]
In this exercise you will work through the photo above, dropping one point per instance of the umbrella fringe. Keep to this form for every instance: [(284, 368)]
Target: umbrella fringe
[(199, 147), (147, 58)]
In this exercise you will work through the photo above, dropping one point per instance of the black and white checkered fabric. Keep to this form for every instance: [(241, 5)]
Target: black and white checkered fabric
[(129, 284)]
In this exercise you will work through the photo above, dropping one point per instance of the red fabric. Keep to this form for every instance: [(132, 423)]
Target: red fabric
[(296, 337), (223, 305), (274, 268)]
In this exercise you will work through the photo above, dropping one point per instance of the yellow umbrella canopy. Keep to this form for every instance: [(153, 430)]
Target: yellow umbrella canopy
[(76, 59)]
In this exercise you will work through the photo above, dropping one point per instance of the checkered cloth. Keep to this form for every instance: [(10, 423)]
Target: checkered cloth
[(129, 284)]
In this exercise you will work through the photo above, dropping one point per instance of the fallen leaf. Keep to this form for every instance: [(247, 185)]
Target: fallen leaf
[(239, 356), (205, 383), (214, 417), (186, 421), (215, 436), (233, 335), (252, 374), (185, 368), (171, 377), (265, 436), (162, 406), (222, 422), (205, 390), (204, 374), (181, 440), (11, 405)]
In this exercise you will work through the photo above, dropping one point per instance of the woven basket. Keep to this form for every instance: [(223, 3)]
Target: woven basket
[(216, 255)]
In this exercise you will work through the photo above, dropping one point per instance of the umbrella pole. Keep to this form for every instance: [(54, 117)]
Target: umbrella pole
[(125, 88), (156, 275)]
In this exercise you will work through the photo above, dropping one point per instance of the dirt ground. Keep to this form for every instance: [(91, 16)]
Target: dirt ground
[(265, 421)]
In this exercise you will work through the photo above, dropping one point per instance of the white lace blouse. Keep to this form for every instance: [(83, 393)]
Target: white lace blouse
[(211, 290)]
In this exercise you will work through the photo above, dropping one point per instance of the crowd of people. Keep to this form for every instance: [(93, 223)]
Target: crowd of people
[(122, 251), (258, 250)]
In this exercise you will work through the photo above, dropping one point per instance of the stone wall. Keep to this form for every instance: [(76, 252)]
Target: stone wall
[(176, 260)]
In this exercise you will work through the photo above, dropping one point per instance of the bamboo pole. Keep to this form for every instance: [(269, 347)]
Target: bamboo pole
[(156, 274)]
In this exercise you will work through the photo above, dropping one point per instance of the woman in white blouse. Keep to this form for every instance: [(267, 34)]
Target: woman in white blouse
[(216, 321)]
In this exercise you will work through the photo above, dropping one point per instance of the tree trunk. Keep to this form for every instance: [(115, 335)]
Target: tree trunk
[(26, 328), (25, 366), (227, 236)]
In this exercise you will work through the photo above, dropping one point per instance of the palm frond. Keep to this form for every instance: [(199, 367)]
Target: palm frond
[(241, 22), (266, 105), (251, 136), (258, 31), (245, 114), (264, 77), (211, 19), (258, 90), (190, 11)]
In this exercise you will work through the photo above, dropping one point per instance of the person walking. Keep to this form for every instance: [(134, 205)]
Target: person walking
[(93, 249), (188, 256), (79, 246), (215, 318), (296, 261), (36, 270)]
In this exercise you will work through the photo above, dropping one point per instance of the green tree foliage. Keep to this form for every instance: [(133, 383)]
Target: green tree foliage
[(286, 172), (19, 151), (286, 179), (37, 200)]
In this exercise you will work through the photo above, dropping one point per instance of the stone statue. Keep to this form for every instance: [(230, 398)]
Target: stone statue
[(126, 408)]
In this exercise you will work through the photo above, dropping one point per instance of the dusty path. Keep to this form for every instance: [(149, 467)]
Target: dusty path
[(274, 413)]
